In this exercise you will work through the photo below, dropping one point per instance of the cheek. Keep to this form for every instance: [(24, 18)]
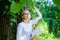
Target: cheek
[(29, 16)]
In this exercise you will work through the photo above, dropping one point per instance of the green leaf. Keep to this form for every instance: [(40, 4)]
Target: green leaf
[(15, 7), (31, 3), (22, 2), (57, 2)]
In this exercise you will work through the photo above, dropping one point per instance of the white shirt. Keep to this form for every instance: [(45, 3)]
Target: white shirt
[(24, 30)]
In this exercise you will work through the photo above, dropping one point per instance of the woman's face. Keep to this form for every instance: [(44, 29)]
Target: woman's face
[(26, 15)]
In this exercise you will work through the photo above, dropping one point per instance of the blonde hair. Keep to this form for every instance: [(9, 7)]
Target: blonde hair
[(23, 11)]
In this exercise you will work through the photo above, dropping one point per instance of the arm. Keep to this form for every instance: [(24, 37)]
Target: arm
[(38, 17), (19, 32), (36, 20)]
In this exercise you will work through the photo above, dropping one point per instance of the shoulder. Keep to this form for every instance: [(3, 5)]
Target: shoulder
[(20, 24)]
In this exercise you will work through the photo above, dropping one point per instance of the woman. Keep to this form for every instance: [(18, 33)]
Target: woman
[(24, 28)]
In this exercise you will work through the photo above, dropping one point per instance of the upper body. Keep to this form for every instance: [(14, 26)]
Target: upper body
[(24, 28)]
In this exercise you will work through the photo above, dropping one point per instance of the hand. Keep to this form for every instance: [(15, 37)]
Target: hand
[(33, 37), (36, 9)]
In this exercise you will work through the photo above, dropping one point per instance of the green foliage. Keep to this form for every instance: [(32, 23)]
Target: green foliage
[(49, 24), (15, 7), (57, 2), (31, 3)]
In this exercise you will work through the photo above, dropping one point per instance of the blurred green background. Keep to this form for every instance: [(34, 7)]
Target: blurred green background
[(10, 16)]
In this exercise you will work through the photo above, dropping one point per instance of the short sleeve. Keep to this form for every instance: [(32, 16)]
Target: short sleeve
[(19, 32)]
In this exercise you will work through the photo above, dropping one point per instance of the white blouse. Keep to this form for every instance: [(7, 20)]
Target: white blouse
[(24, 30)]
